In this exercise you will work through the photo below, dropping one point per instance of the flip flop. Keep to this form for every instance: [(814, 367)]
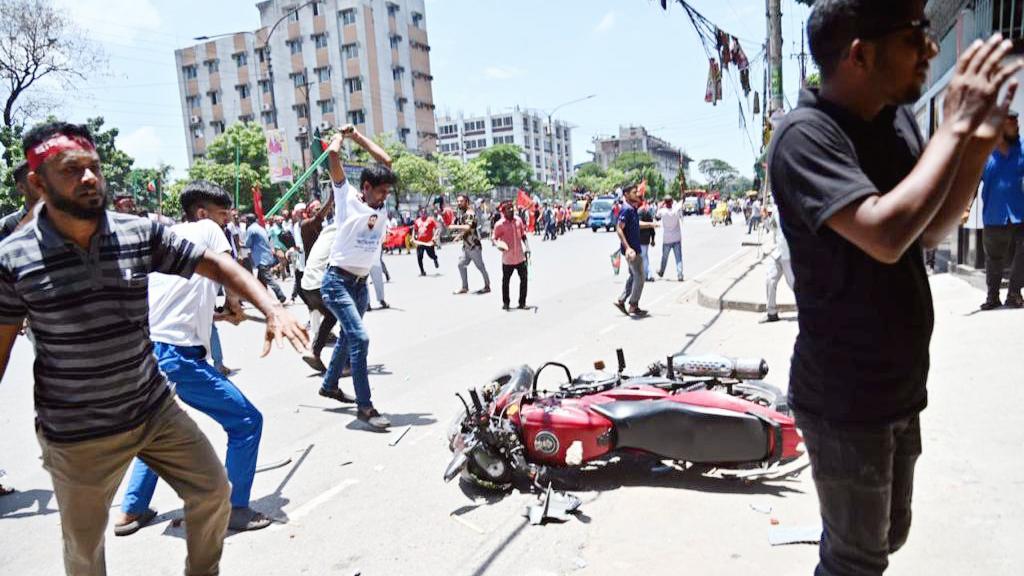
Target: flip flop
[(134, 526)]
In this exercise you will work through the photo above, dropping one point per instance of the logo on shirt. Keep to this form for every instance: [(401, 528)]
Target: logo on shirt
[(372, 222)]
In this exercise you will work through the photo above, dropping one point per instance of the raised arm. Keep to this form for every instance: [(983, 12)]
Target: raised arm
[(8, 334)]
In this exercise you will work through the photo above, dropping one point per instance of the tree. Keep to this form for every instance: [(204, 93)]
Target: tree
[(464, 178), (246, 139), (417, 174), (37, 42), (590, 169), (718, 172), (389, 143), (117, 165), (505, 166), (223, 175), (629, 161)]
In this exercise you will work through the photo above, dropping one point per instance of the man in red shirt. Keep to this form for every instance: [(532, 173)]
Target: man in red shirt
[(425, 231), (510, 237)]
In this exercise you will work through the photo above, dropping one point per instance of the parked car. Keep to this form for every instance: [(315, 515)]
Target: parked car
[(601, 214), (580, 213)]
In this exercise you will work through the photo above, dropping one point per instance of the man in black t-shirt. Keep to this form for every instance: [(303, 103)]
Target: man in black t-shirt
[(859, 196)]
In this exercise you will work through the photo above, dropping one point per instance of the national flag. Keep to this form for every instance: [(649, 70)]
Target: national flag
[(318, 144), (523, 199), (257, 204), (151, 186), (642, 189)]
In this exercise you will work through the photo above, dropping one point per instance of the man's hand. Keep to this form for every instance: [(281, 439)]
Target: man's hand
[(336, 143), (990, 131), (630, 254), (973, 92), (281, 325), (348, 129)]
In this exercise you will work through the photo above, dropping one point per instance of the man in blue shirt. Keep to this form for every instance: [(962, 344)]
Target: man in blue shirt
[(628, 229), (258, 243), (1003, 215)]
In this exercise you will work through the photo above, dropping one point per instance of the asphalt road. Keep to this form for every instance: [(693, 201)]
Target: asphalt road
[(349, 502)]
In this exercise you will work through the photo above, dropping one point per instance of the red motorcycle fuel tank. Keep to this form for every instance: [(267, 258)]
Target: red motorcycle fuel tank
[(551, 426)]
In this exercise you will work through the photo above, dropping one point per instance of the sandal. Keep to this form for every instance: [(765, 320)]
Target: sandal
[(135, 524)]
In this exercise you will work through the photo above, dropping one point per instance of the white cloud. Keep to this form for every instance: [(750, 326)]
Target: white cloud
[(143, 145), (606, 23), (503, 72), (119, 21)]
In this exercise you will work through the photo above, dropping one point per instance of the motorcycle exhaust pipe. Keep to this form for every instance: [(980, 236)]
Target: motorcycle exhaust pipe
[(713, 366)]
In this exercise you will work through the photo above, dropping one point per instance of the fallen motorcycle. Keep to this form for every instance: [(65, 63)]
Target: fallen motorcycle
[(706, 410)]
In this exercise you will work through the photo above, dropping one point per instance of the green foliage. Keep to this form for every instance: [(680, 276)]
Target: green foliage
[(718, 172), (10, 139), (814, 80), (223, 175), (590, 169), (172, 198), (464, 178), (116, 164), (417, 174), (389, 143), (505, 166), (138, 182), (629, 161), (244, 137), (738, 187), (655, 180)]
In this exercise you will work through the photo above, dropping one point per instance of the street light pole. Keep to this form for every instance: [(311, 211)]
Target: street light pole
[(551, 131)]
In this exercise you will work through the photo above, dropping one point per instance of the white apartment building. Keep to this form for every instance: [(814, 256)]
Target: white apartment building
[(667, 157), (467, 136), (328, 62)]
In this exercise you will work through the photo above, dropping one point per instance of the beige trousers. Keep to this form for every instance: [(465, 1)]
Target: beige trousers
[(87, 474)]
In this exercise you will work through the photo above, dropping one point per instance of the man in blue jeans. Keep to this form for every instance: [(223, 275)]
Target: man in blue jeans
[(362, 220), (860, 194), (181, 321)]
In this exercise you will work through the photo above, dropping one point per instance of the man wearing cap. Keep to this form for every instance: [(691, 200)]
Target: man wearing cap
[(1002, 212), (80, 275), (860, 193), (671, 217)]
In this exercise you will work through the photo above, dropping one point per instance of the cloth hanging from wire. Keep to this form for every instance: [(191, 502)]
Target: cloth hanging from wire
[(714, 90)]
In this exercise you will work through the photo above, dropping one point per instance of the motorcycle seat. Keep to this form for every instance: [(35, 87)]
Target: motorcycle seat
[(686, 432)]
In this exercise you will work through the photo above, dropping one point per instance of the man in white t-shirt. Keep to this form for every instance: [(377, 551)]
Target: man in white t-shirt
[(671, 217), (181, 316), (362, 220)]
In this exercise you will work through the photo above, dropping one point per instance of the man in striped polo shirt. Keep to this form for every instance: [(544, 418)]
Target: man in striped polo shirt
[(80, 275)]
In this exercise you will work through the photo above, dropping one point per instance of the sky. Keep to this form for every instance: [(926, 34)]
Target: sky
[(646, 66)]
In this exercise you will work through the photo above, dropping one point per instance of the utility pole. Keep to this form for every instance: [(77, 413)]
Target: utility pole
[(802, 58), (775, 55)]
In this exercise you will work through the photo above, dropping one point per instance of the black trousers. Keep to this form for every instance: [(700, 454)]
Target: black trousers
[(864, 476), (266, 277), (298, 280), (506, 277), (1001, 244), (314, 301), (429, 251)]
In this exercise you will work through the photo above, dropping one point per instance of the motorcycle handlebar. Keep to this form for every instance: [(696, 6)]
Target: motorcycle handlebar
[(710, 365)]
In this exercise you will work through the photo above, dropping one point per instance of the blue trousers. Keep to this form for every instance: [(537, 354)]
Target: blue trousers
[(675, 248), (347, 299), (202, 387)]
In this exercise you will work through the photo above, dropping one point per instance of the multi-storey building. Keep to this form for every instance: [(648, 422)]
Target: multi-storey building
[(667, 157), (958, 23), (327, 63), (551, 158)]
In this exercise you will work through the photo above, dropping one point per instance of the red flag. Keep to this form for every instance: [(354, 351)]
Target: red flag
[(642, 189), (151, 186), (523, 199), (257, 204)]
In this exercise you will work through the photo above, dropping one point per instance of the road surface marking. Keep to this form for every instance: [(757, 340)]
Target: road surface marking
[(315, 503), (607, 329), (567, 352), (692, 285)]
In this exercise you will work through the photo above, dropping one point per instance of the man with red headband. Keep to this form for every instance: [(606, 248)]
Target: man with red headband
[(80, 274)]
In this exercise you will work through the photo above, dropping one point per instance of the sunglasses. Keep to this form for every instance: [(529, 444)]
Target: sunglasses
[(922, 26)]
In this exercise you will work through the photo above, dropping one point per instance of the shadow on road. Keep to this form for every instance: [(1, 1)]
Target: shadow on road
[(707, 325), (11, 506)]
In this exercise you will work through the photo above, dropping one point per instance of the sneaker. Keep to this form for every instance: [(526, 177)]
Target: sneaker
[(621, 306), (337, 394), (462, 291), (772, 318), (373, 418), (484, 290), (636, 311), (991, 304), (522, 306), (384, 305), (680, 279), (130, 523), (1014, 301), (505, 307), (247, 519), (315, 363)]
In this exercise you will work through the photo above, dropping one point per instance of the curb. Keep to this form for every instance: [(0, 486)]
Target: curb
[(708, 299)]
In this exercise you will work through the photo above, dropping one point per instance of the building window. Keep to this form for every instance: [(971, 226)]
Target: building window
[(214, 98), (348, 16), (417, 19), (392, 8), (350, 50), (218, 126), (301, 111), (326, 106), (396, 40), (212, 66), (500, 123), (397, 72), (323, 74), (448, 129), (243, 91), (474, 126), (189, 72), (316, 8), (295, 46), (320, 40), (293, 16), (353, 85), (246, 118), (261, 54), (193, 101), (298, 79), (356, 117), (268, 118), (241, 59), (400, 104), (265, 86)]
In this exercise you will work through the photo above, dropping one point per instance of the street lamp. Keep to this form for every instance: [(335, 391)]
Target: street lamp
[(551, 131)]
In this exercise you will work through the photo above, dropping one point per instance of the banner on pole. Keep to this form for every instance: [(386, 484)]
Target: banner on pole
[(277, 156)]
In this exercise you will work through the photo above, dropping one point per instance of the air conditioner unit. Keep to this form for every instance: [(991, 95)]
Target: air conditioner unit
[(325, 126), (303, 130), (195, 120)]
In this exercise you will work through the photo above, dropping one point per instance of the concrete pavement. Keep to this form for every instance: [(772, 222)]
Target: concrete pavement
[(354, 504)]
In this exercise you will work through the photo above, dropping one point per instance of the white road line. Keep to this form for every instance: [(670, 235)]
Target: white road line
[(693, 284), (315, 503), (567, 352), (607, 329)]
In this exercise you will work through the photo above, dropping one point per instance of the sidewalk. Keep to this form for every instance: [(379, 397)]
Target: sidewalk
[(741, 286)]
